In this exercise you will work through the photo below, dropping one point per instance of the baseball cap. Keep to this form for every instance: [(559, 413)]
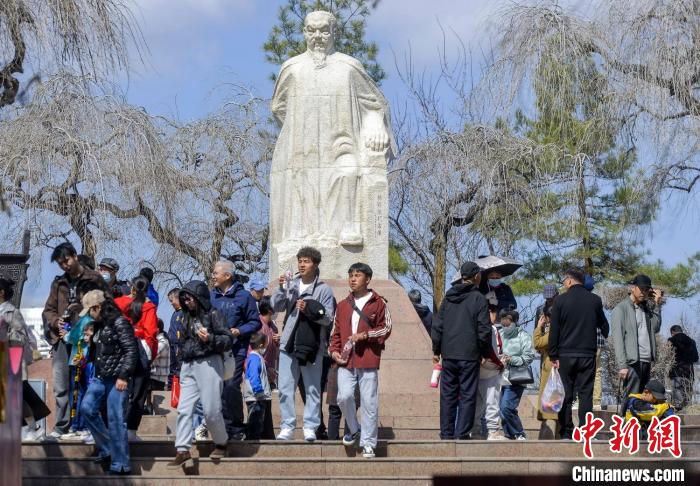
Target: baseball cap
[(550, 291), (642, 281), (257, 285), (110, 263), (91, 299), (657, 389), (469, 269)]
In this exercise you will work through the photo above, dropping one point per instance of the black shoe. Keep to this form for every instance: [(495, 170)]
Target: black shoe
[(119, 473), (237, 437)]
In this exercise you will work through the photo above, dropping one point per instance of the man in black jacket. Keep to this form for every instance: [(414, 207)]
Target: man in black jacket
[(572, 345), (682, 372), (461, 336)]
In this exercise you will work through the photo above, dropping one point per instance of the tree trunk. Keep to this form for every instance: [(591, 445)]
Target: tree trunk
[(583, 221), (438, 248)]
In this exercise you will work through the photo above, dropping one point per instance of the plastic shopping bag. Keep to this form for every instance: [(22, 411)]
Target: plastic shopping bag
[(553, 394), (175, 392)]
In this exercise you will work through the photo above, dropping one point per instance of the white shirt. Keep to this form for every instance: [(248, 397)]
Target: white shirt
[(359, 303), (303, 287)]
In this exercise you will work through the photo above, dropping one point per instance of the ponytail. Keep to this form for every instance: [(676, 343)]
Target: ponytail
[(139, 288)]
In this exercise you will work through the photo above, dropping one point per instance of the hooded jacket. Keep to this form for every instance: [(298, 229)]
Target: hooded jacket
[(686, 355), (220, 338), (462, 329), (365, 354), (239, 310), (146, 329)]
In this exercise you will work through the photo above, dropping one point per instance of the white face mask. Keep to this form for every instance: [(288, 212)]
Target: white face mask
[(262, 350)]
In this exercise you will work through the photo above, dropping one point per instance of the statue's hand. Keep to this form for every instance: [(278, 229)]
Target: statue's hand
[(377, 140)]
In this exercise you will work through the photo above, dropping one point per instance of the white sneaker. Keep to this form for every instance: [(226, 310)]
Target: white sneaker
[(495, 435), (88, 439), (83, 433), (368, 452), (53, 436), (132, 437), (32, 436), (71, 436), (309, 435), (520, 437), (287, 434), (201, 433)]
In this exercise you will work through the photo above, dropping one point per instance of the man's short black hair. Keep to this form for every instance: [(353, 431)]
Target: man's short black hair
[(575, 274), (414, 296), (676, 328), (175, 291), (310, 252), (362, 268), (257, 339), (64, 250)]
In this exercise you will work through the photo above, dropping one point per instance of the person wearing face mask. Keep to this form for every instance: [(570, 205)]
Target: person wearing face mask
[(517, 351), (492, 281), (108, 269)]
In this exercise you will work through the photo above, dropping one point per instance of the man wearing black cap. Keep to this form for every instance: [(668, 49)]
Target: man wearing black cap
[(109, 268), (461, 335), (635, 323), (576, 315)]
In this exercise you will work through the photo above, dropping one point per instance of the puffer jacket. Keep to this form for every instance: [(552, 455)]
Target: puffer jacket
[(517, 344), (115, 349), (220, 338)]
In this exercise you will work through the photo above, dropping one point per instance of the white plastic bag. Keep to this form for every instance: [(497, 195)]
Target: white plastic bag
[(553, 394)]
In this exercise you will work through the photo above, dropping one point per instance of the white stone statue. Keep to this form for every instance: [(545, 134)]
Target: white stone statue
[(328, 179)]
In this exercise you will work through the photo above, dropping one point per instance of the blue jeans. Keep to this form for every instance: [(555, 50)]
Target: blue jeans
[(112, 442), (510, 420)]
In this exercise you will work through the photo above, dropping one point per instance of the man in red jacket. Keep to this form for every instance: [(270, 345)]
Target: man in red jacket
[(362, 325)]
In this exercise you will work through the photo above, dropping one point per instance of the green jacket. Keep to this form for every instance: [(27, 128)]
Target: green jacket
[(518, 347), (624, 332)]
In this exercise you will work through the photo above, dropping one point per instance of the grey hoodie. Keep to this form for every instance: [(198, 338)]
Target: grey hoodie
[(283, 300)]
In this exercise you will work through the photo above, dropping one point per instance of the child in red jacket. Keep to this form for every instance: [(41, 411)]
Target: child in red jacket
[(362, 325)]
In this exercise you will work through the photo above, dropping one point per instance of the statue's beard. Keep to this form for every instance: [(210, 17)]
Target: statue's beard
[(318, 56), (319, 53)]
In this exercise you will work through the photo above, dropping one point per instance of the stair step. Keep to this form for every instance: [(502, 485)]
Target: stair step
[(333, 467), (334, 449)]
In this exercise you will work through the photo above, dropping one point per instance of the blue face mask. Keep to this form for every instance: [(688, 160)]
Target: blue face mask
[(495, 282), (107, 277)]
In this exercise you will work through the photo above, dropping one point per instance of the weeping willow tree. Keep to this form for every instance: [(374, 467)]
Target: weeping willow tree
[(91, 37), (79, 163)]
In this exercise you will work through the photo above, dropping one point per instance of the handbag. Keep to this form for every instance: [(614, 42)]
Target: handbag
[(229, 364), (520, 375)]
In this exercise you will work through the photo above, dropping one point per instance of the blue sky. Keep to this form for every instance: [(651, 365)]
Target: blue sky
[(194, 46)]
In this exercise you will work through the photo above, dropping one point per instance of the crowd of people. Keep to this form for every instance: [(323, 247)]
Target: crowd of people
[(485, 354), (223, 349)]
